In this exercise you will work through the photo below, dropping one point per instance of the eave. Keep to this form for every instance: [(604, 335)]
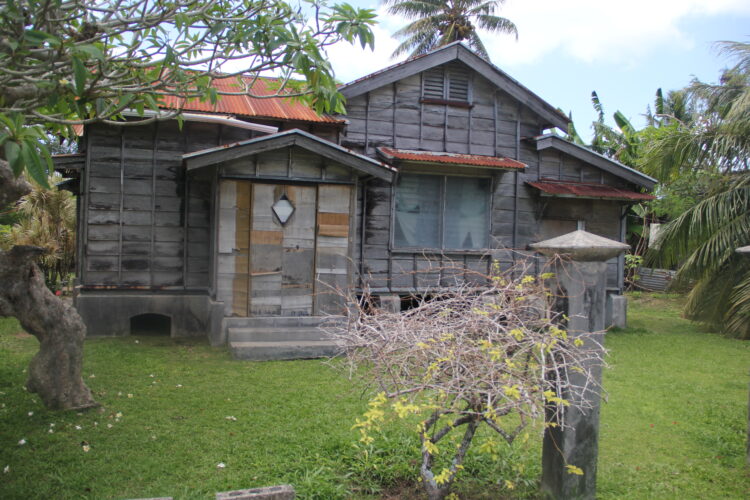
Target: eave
[(600, 161), (295, 137)]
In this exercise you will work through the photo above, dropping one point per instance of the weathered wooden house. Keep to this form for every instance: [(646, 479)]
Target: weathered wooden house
[(241, 224)]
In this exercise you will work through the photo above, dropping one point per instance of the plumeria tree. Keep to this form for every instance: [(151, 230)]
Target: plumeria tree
[(493, 356), (76, 62)]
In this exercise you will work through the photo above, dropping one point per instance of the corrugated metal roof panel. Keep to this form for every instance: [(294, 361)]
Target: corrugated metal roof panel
[(585, 190), (281, 108), (450, 158)]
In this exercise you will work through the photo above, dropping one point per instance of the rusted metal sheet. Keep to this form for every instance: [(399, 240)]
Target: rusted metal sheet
[(244, 105), (587, 190), (391, 154)]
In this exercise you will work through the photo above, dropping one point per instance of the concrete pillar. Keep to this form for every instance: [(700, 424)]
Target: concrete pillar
[(390, 302), (581, 278), (746, 251)]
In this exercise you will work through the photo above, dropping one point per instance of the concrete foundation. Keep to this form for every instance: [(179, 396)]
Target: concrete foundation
[(617, 311), (108, 313), (283, 492)]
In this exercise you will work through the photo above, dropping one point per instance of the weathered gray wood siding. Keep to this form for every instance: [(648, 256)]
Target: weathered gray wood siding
[(265, 268), (146, 224), (495, 124)]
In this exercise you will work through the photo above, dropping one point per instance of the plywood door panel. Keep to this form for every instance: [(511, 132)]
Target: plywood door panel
[(333, 247), (282, 256), (299, 253)]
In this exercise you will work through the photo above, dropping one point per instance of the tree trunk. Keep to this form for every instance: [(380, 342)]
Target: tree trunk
[(55, 371)]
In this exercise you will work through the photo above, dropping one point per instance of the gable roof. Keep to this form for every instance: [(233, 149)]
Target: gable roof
[(592, 158), (294, 137), (457, 51)]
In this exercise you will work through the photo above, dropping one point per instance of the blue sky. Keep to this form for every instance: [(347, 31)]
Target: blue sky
[(623, 50)]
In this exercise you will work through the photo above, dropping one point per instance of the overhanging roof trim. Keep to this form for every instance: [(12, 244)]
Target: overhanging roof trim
[(585, 154), (451, 52), (440, 158), (294, 137), (569, 189)]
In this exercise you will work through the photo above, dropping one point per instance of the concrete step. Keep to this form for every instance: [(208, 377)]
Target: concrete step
[(268, 351), (277, 334), (277, 321)]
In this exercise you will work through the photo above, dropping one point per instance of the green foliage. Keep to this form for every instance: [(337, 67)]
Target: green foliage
[(67, 62), (440, 22), (47, 219), (703, 239)]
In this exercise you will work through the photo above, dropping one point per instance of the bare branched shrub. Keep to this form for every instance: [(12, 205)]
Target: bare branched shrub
[(464, 358)]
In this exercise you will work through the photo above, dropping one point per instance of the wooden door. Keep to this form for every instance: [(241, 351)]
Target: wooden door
[(282, 256), (266, 268)]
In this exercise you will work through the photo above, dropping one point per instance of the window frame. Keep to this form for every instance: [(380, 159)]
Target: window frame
[(441, 228)]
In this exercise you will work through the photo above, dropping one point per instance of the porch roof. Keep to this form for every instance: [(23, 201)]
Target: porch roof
[(592, 158), (569, 189), (294, 137), (391, 154)]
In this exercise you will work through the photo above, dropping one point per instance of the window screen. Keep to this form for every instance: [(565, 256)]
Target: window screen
[(442, 212)]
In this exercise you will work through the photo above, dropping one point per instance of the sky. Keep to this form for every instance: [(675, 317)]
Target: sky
[(565, 50)]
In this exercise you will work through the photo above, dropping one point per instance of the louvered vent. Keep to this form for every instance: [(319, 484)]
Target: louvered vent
[(458, 85), (434, 84)]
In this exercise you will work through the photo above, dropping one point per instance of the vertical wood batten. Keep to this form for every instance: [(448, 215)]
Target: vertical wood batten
[(154, 165), (122, 201)]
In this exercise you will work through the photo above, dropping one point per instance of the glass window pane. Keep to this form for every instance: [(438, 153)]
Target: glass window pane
[(417, 211), (467, 213)]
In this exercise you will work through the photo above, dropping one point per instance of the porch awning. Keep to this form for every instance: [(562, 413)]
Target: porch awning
[(393, 155), (295, 137), (570, 189)]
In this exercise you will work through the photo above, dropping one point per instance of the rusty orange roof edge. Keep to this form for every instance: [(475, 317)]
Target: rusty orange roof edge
[(557, 187), (450, 158)]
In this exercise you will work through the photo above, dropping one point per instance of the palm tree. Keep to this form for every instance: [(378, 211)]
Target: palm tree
[(702, 241), (47, 220), (440, 22)]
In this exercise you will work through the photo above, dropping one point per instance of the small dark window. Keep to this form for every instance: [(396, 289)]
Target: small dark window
[(151, 324), (446, 84)]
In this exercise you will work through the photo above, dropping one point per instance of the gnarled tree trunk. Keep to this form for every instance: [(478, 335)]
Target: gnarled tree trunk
[(55, 371)]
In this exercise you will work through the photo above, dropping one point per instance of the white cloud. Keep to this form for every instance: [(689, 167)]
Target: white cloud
[(596, 31), (591, 31)]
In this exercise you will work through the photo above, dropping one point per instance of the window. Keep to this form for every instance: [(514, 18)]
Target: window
[(446, 84), (449, 213)]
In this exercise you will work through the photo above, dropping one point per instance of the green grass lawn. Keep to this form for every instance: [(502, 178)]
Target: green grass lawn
[(673, 427)]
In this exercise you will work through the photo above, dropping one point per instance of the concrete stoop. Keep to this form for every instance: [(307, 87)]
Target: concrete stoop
[(279, 338)]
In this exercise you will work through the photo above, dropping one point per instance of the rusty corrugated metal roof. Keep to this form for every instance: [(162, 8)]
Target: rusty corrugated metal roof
[(450, 158), (279, 108), (587, 190)]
